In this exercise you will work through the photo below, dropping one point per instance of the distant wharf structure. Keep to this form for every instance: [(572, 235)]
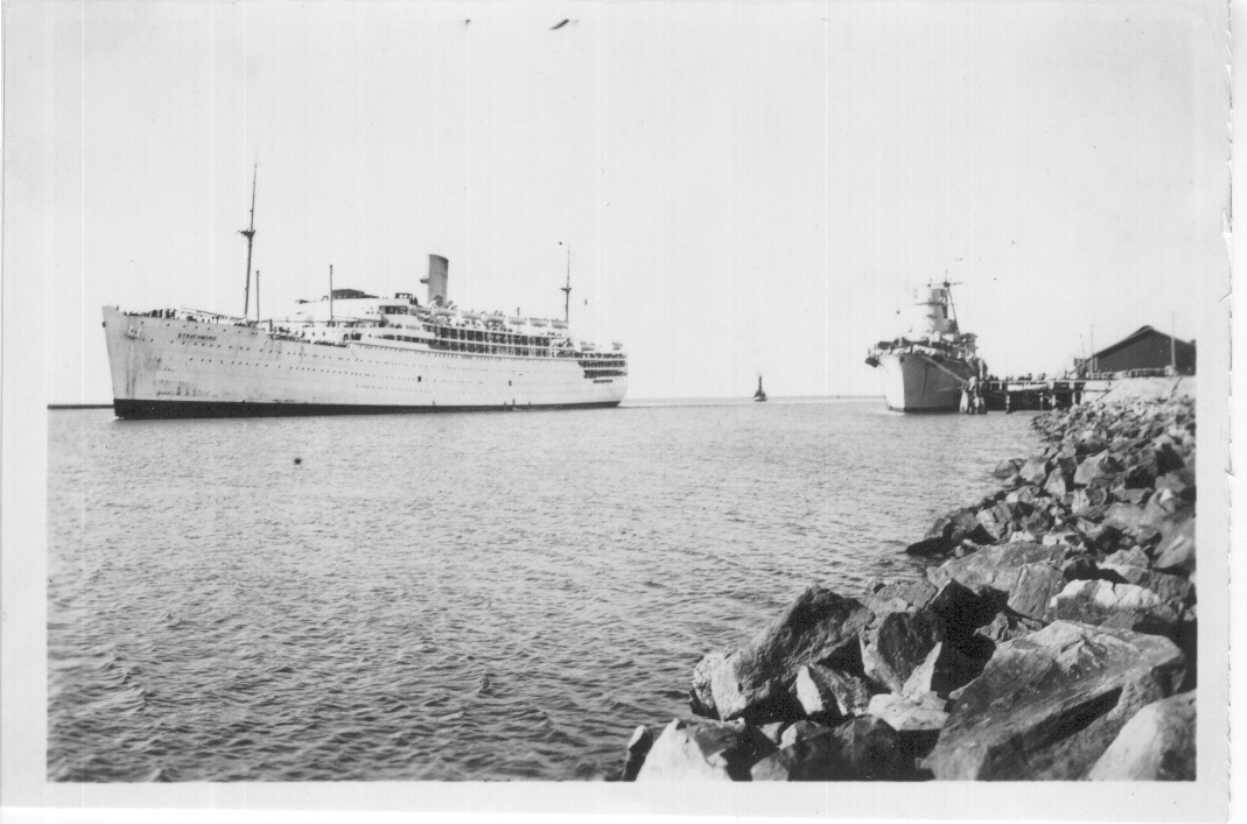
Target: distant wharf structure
[(1145, 353)]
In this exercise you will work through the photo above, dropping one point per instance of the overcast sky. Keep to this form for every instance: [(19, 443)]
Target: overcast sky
[(746, 187)]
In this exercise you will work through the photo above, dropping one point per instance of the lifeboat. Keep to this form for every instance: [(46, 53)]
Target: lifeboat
[(539, 322), (559, 324)]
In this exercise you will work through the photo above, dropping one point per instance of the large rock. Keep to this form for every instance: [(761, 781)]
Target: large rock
[(949, 665), (1095, 467), (1121, 605), (916, 713), (755, 681), (963, 610), (917, 719), (995, 569), (1157, 744), (900, 596), (1163, 508), (1176, 589), (1142, 471), (639, 745), (1180, 482), (824, 693), (703, 750), (1007, 469), (701, 695), (896, 644), (1035, 585), (1057, 484), (949, 531), (1176, 550), (1047, 705), (1132, 557), (1034, 471), (864, 749), (994, 521), (1007, 626), (1125, 518)]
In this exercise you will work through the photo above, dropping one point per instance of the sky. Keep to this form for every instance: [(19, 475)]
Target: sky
[(745, 187)]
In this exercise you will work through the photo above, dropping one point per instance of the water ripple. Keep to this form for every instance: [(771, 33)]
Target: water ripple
[(457, 596)]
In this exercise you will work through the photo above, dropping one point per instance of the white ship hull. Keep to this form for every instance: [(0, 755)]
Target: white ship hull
[(914, 383), (177, 367)]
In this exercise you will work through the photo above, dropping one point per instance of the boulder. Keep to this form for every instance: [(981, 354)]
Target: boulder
[(1024, 496), (995, 568), (1157, 744), (1034, 471), (864, 749), (896, 644), (1180, 482), (1007, 626), (1162, 508), (1141, 473), (1130, 495), (948, 666), (1168, 458), (827, 694), (929, 548), (1048, 704), (917, 719), (1121, 605), (1175, 589), (1134, 556), (638, 747), (1057, 484), (994, 521), (801, 730), (755, 681), (1007, 469), (701, 695), (901, 596), (1176, 550), (1034, 524), (1035, 585), (963, 610), (1098, 536), (1095, 467), (1125, 518), (773, 731), (1078, 568), (703, 750)]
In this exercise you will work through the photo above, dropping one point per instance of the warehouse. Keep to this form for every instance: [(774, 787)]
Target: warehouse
[(1146, 350)]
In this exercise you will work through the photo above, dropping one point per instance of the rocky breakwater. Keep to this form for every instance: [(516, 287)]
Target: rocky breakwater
[(1054, 637)]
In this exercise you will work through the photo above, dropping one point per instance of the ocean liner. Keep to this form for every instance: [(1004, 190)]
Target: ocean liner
[(352, 352), (929, 368)]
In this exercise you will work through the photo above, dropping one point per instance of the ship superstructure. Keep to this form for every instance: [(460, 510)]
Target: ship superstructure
[(927, 369), (353, 352)]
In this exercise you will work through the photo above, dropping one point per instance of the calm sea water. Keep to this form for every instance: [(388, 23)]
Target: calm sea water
[(452, 596)]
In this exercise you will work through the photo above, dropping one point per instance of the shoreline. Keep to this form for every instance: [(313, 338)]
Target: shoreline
[(1054, 636)]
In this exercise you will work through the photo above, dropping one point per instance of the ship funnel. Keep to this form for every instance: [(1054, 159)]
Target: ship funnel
[(436, 279)]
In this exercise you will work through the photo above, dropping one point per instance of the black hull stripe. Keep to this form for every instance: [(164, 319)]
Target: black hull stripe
[(132, 409)]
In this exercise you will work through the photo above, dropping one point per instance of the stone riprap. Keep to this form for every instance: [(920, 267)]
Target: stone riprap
[(1054, 637)]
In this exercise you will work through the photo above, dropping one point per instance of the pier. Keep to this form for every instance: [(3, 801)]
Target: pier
[(1027, 393)]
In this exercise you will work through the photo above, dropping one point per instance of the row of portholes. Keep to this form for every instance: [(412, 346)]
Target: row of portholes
[(419, 378)]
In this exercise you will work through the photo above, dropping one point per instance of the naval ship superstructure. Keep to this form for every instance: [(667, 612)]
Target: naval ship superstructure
[(928, 368), (353, 352)]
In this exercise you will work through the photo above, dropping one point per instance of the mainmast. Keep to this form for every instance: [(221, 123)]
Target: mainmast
[(249, 234), (566, 288)]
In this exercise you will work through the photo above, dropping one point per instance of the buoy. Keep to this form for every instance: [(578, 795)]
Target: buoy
[(298, 461)]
